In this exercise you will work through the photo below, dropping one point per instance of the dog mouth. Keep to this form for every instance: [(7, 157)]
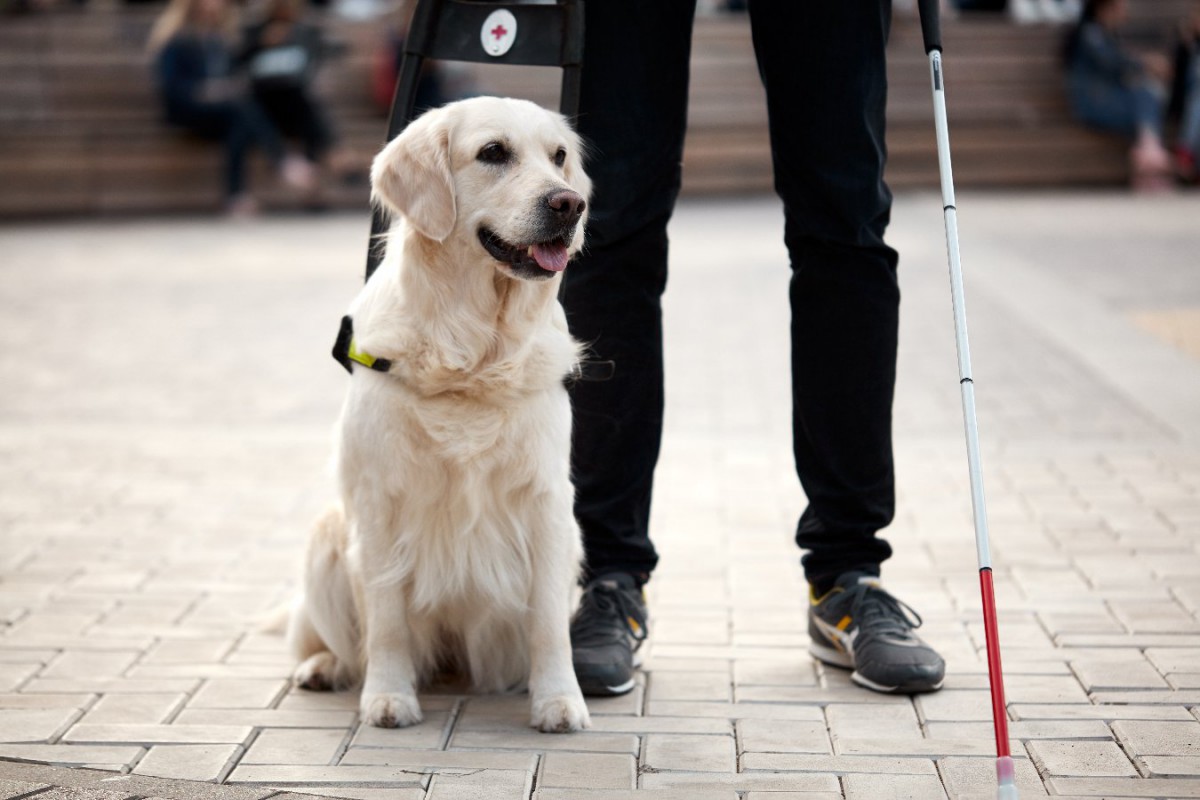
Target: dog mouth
[(529, 260)]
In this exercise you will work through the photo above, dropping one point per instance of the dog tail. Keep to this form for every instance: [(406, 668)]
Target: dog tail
[(326, 616)]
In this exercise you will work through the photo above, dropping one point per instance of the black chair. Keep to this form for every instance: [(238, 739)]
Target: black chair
[(546, 35)]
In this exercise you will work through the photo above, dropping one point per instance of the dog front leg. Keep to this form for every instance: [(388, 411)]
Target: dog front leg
[(557, 703), (389, 695)]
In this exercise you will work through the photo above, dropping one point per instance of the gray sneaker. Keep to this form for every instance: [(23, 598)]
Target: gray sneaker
[(859, 626), (606, 632)]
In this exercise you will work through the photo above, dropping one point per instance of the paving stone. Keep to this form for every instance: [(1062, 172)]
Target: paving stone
[(1126, 787), (1022, 730), (639, 725), (894, 787), (708, 686), (733, 710), (295, 746), (429, 735), (134, 708), (91, 664), (188, 651), (1069, 712), (804, 694), (35, 725), (588, 771), (585, 742), (13, 675), (682, 752), (1080, 759), (873, 721), (108, 686), (99, 756), (158, 734), (743, 781), (480, 785), (1169, 659), (353, 793), (963, 775), (783, 736), (776, 672), (1170, 697), (239, 693), (1146, 738), (419, 759), (265, 718), (697, 793), (1110, 675), (301, 700), (189, 762), (901, 746), (307, 775), (1169, 766), (839, 765)]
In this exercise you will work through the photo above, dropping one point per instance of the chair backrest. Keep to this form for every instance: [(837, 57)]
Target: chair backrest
[(523, 32)]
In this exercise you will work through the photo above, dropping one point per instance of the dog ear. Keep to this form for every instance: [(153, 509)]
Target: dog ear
[(411, 177)]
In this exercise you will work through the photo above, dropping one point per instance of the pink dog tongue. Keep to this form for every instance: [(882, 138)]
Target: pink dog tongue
[(550, 256)]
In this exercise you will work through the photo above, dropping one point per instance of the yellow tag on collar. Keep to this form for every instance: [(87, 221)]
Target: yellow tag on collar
[(366, 359)]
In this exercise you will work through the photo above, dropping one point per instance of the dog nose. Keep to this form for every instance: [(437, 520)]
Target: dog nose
[(565, 205)]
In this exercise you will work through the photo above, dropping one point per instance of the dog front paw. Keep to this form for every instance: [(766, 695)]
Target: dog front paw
[(390, 709), (560, 714)]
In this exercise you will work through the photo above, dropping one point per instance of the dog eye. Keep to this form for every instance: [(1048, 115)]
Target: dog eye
[(493, 153), (560, 157)]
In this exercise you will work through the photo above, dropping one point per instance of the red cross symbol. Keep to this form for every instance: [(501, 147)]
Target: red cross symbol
[(499, 31)]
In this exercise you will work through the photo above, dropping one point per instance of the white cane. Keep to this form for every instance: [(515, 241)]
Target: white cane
[(931, 33)]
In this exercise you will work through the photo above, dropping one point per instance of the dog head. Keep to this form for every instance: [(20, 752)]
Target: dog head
[(502, 179)]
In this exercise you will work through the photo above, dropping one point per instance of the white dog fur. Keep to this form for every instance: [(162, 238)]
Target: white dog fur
[(455, 543)]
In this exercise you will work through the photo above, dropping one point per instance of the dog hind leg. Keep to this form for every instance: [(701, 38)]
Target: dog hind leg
[(323, 630)]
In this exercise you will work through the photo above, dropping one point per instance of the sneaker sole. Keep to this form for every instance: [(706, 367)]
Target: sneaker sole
[(866, 683), (837, 658), (601, 689), (829, 655)]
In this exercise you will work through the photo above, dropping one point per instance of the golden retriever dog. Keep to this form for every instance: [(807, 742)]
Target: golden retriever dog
[(455, 544)]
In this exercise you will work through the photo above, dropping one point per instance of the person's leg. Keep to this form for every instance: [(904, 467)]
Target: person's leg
[(1189, 121), (824, 70), (222, 121), (633, 111)]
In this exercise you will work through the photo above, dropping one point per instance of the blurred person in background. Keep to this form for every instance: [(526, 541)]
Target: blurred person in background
[(1185, 95), (439, 82), (190, 42), (1113, 89), (281, 54)]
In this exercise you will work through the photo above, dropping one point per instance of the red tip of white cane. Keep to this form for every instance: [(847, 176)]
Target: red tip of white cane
[(1006, 788)]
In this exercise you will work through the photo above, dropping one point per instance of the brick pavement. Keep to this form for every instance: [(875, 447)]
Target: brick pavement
[(163, 439)]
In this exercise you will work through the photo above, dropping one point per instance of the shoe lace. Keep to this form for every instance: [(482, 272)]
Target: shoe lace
[(600, 605), (878, 611)]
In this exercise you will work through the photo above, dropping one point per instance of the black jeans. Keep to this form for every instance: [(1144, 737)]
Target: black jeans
[(823, 67), (295, 112)]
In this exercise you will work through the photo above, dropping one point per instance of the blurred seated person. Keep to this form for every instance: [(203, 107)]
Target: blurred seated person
[(1112, 89), (439, 82), (282, 54), (1185, 95), (194, 63)]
